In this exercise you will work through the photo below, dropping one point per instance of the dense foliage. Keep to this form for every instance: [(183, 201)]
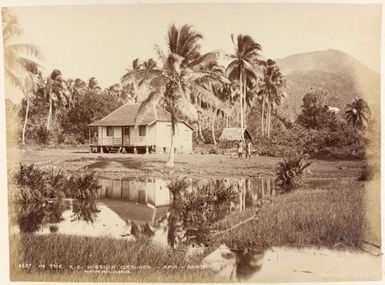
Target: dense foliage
[(69, 121)]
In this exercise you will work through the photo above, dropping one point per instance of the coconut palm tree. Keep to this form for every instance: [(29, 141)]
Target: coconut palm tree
[(54, 93), (75, 89), (358, 113), (271, 93), (243, 67), (136, 88), (217, 105), (20, 61), (32, 82), (210, 101), (93, 85), (150, 64), (17, 55), (182, 70)]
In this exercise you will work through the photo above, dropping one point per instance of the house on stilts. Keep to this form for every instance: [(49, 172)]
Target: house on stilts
[(116, 132)]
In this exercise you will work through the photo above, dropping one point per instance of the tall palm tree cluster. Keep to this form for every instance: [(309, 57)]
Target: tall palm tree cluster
[(195, 87)]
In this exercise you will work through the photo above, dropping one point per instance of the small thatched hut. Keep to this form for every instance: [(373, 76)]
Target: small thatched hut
[(234, 134)]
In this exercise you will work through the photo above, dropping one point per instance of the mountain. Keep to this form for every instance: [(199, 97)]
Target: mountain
[(341, 75)]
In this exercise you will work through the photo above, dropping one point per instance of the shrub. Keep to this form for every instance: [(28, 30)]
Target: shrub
[(34, 184), (289, 171), (193, 211)]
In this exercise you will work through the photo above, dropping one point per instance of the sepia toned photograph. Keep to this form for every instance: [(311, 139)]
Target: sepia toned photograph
[(193, 142)]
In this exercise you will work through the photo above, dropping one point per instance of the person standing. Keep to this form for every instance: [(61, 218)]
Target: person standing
[(240, 149), (248, 149)]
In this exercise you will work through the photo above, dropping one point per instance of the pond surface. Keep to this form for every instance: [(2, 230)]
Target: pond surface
[(131, 208)]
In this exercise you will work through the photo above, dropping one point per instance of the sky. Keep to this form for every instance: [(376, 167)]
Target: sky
[(102, 40)]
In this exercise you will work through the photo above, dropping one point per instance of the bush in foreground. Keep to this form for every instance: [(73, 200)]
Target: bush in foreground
[(289, 171)]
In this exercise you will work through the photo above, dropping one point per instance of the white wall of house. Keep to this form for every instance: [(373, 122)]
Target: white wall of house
[(115, 139), (158, 134), (183, 137), (136, 139)]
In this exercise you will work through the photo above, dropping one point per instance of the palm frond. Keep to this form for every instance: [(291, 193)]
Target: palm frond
[(13, 78), (24, 48), (161, 55), (185, 110), (139, 75), (204, 60), (207, 97), (29, 63), (147, 105), (233, 70)]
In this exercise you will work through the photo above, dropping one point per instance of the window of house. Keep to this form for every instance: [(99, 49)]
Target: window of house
[(142, 131), (110, 131)]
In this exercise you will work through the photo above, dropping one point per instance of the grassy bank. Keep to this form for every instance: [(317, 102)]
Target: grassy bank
[(331, 215), (191, 165), (86, 251)]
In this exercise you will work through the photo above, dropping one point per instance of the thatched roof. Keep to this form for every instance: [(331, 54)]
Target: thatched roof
[(234, 134), (126, 114)]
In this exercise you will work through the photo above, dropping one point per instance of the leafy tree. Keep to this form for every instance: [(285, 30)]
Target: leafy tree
[(315, 113), (358, 113), (90, 107), (242, 68), (182, 71)]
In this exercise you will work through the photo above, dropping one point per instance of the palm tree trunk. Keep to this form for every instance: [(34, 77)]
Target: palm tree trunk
[(244, 106), (213, 128), (200, 131), (25, 122), (271, 109), (241, 102), (171, 154), (49, 113), (269, 120), (262, 117)]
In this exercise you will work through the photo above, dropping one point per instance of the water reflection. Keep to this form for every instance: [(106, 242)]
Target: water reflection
[(136, 208), (31, 216), (84, 210)]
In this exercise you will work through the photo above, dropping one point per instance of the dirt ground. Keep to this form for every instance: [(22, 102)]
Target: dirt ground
[(191, 165)]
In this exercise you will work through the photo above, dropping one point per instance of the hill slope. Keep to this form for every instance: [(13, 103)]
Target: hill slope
[(342, 76)]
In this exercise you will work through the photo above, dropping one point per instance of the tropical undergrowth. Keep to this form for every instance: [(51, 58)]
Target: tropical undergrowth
[(193, 211)]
